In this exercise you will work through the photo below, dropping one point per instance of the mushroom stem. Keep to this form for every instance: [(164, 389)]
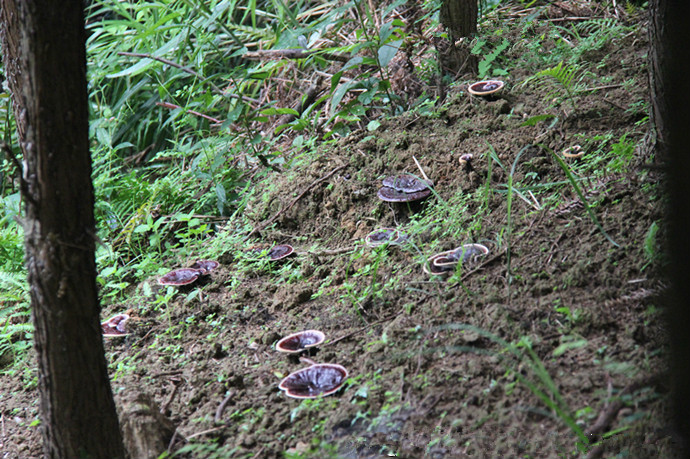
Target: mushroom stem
[(307, 361), (421, 170)]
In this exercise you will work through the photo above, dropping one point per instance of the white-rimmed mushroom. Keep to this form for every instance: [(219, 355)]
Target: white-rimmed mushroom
[(317, 380), (115, 326), (485, 88), (300, 341)]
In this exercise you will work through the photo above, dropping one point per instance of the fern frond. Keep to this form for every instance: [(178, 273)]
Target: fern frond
[(562, 75)]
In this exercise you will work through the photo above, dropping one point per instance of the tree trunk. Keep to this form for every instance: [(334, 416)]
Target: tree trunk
[(44, 55), (670, 86), (460, 18)]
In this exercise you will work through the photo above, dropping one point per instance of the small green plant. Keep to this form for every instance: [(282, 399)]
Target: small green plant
[(623, 152), (537, 380), (487, 66), (651, 246), (581, 195), (563, 77), (378, 51)]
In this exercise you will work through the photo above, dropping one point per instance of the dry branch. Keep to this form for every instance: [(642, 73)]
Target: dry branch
[(292, 54)]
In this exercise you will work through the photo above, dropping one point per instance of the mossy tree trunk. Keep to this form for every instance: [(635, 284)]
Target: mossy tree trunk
[(43, 46), (670, 86)]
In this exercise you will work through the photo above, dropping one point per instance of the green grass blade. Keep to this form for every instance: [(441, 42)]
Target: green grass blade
[(581, 195)]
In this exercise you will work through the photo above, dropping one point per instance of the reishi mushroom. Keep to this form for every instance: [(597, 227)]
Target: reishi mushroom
[(485, 88), (178, 277), (384, 236), (319, 379), (205, 265), (275, 253), (300, 341), (115, 326), (186, 276), (403, 188), (444, 262)]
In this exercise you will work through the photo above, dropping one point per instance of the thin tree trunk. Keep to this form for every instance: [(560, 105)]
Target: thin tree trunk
[(44, 55), (670, 86), (460, 18)]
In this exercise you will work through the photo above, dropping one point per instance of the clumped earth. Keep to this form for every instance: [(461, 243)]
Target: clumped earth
[(440, 367)]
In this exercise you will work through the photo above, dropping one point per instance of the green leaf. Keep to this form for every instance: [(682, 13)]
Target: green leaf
[(373, 125), (533, 121), (279, 111), (338, 95), (388, 51)]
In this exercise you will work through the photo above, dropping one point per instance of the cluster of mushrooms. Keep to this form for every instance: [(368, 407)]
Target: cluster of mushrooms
[(403, 188), (316, 380), (406, 188), (116, 325)]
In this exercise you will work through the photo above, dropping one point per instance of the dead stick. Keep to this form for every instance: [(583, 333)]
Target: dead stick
[(191, 112), (421, 170), (219, 412), (292, 54), (606, 417), (294, 201)]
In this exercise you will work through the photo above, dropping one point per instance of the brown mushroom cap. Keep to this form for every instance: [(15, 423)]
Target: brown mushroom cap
[(392, 195), (115, 326), (441, 263), (382, 236), (181, 276), (486, 87), (470, 252), (298, 342), (205, 265), (320, 379), (407, 183), (444, 262), (279, 252)]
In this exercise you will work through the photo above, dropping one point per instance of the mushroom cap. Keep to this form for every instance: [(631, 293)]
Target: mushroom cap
[(279, 252), (115, 326), (486, 87), (440, 264), (382, 236), (443, 262), (298, 342), (181, 276), (389, 194), (407, 183), (320, 379), (205, 265), (469, 252)]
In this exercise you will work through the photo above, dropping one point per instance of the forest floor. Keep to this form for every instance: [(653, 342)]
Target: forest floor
[(554, 336)]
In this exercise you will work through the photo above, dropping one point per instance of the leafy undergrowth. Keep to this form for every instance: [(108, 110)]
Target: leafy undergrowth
[(554, 334)]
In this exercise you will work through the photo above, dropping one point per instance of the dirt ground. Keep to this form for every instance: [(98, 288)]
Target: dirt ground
[(435, 365)]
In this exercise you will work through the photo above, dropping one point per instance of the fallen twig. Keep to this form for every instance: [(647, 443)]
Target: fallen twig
[(191, 112), (421, 170), (217, 419), (294, 201), (293, 54), (331, 252), (607, 416)]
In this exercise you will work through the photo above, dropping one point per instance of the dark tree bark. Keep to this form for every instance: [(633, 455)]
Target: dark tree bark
[(460, 18), (44, 55), (670, 86)]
